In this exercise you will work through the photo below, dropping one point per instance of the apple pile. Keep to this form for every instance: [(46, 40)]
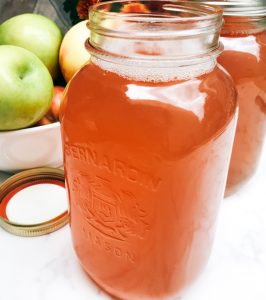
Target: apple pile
[(32, 52)]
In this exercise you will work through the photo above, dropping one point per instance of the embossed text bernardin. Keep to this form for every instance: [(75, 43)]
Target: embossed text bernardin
[(112, 165)]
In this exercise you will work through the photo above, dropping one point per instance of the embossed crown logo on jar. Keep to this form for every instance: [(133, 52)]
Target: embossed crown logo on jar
[(115, 213)]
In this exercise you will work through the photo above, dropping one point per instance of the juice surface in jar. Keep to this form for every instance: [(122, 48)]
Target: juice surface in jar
[(147, 142), (244, 38)]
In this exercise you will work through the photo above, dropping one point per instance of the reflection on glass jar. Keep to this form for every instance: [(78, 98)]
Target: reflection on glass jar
[(148, 127)]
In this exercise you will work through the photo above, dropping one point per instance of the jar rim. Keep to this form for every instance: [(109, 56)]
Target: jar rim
[(177, 19), (235, 8), (200, 11), (165, 29)]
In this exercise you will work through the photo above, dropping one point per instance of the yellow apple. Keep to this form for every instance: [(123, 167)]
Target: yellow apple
[(73, 54)]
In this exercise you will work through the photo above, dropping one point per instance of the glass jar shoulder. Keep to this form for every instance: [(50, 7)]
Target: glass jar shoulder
[(199, 107), (187, 93), (251, 44), (244, 56)]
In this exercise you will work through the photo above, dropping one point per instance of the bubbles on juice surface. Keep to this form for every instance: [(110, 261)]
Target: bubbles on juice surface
[(154, 71)]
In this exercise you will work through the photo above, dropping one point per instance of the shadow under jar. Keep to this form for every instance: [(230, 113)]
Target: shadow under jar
[(244, 57), (147, 129)]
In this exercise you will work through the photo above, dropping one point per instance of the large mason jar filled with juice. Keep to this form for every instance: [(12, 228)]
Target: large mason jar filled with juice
[(244, 57), (147, 128)]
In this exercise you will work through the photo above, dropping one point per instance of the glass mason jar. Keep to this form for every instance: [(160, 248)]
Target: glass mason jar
[(147, 129), (244, 39), (244, 57)]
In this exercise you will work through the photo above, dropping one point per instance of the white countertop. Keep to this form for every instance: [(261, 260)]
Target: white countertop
[(45, 268)]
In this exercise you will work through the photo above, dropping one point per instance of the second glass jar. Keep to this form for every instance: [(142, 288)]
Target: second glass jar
[(244, 57)]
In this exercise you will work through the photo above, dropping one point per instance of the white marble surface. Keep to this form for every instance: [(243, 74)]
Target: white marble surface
[(45, 267)]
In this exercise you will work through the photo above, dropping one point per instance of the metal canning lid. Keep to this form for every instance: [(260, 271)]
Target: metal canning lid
[(23, 181), (241, 8)]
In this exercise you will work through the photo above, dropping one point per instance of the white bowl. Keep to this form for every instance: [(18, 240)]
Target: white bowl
[(31, 148)]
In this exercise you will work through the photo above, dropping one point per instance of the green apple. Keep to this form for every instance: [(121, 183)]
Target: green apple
[(26, 88), (37, 34), (73, 54)]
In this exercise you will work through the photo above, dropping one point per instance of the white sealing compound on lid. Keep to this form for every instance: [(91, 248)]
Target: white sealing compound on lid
[(37, 203)]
